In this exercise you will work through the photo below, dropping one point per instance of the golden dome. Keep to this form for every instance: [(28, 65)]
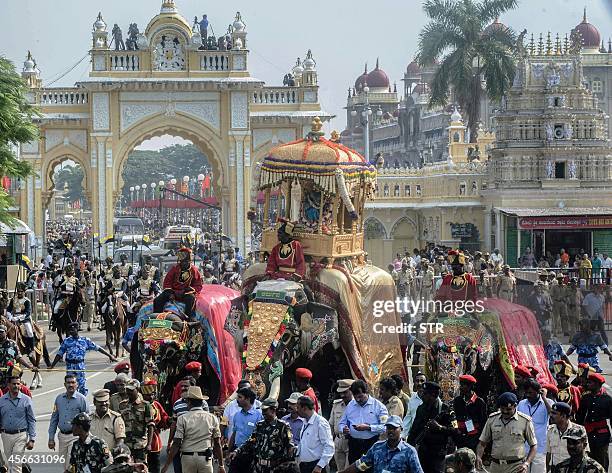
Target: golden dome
[(317, 159)]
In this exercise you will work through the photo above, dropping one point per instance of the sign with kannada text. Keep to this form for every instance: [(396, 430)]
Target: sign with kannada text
[(566, 221)]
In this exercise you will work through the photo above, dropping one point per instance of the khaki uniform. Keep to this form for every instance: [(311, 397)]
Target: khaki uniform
[(508, 441), (340, 440), (573, 298), (395, 406), (427, 284), (506, 285), (138, 416), (557, 294), (197, 429), (110, 427), (116, 401)]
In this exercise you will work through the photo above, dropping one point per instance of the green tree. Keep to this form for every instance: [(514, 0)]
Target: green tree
[(71, 177), (146, 167), (467, 51), (16, 127)]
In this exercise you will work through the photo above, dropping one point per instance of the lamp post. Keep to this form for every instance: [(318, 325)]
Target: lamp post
[(153, 186), (131, 193)]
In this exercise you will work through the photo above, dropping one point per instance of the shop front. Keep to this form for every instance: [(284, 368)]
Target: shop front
[(547, 231)]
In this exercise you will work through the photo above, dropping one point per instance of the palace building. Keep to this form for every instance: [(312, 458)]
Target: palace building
[(543, 180)]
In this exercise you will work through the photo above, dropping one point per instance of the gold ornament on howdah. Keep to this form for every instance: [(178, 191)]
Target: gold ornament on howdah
[(265, 324)]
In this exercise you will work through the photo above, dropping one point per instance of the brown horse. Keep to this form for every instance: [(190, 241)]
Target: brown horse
[(40, 347), (115, 322), (71, 312)]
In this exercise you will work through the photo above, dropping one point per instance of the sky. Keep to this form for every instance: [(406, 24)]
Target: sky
[(342, 34)]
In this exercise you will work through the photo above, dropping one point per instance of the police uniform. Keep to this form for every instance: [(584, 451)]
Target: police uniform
[(138, 416), (427, 284), (507, 439), (75, 350), (110, 427), (557, 294), (340, 441), (573, 299), (197, 430), (506, 285)]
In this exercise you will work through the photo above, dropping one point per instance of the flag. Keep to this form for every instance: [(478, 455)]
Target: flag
[(146, 239), (25, 262), (108, 239), (96, 235)]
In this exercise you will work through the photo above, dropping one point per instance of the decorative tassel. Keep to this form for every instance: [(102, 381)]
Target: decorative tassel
[(344, 195)]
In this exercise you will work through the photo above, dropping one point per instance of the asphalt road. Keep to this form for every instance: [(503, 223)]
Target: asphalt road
[(53, 385)]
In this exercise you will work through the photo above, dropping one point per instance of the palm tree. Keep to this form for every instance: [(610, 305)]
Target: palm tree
[(458, 39)]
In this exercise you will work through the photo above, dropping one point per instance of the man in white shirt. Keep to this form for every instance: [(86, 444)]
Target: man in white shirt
[(606, 268), (316, 447), (414, 403), (497, 258)]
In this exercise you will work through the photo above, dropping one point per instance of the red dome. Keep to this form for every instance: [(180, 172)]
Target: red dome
[(589, 34), (413, 68), (496, 25), (378, 78), (362, 79)]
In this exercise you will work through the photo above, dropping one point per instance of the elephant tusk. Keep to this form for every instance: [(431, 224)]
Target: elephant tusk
[(275, 388)]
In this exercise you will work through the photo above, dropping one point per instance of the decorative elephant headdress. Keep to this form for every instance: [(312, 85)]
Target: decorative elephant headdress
[(456, 257)]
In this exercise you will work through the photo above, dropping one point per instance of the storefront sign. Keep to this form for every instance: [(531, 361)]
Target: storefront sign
[(570, 221), (462, 230)]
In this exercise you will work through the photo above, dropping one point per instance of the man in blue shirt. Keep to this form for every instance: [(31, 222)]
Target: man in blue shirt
[(17, 421), (392, 455), (66, 407), (245, 419), (75, 347), (538, 408), (363, 420)]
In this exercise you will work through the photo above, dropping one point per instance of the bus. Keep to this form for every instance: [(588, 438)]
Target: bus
[(123, 226)]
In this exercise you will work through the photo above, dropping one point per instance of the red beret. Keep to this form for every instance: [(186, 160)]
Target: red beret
[(193, 366), (551, 388), (597, 377), (467, 378), (523, 371), (303, 373), (534, 371), (119, 367)]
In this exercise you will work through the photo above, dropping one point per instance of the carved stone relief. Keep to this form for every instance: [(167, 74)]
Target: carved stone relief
[(101, 111)]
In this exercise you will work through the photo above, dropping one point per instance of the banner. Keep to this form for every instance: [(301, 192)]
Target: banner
[(560, 222)]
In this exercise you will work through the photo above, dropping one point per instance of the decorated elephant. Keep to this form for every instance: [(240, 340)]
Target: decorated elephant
[(274, 327), (487, 345), (166, 343), (333, 335)]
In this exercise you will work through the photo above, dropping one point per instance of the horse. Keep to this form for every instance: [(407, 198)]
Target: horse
[(115, 324), (70, 313), (40, 347)]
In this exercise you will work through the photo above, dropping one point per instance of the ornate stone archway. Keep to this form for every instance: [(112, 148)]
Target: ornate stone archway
[(171, 84)]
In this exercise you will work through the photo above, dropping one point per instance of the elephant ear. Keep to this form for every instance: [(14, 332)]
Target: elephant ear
[(319, 326)]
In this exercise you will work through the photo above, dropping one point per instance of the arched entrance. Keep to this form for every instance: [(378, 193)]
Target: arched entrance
[(404, 235), (374, 233)]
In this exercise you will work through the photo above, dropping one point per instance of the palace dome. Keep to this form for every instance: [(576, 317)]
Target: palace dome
[(589, 33), (496, 25), (362, 79), (378, 78), (413, 68)]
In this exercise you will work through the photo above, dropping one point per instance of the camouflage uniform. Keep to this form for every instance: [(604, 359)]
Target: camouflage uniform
[(271, 446), (138, 416), (89, 456)]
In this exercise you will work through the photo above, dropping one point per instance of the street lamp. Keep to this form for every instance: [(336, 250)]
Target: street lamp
[(153, 186), (137, 189), (131, 193)]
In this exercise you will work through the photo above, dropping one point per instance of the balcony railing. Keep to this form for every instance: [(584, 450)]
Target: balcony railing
[(215, 61), (124, 61), (63, 97), (286, 95)]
